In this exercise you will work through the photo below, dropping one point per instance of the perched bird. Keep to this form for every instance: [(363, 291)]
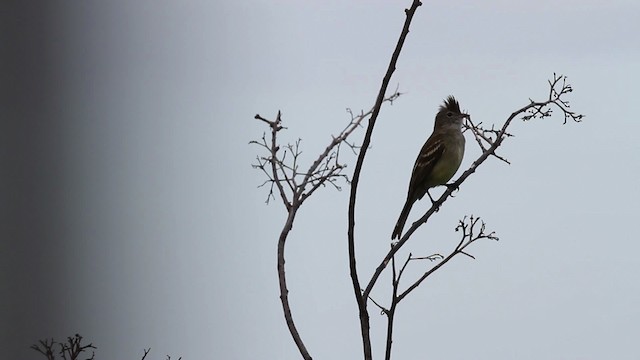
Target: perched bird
[(438, 160)]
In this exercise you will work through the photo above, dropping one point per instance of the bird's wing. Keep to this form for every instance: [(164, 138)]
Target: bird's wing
[(429, 156)]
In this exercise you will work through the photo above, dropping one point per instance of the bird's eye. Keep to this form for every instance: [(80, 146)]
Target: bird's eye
[(449, 114)]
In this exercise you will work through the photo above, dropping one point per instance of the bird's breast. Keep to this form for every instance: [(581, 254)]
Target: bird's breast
[(451, 159)]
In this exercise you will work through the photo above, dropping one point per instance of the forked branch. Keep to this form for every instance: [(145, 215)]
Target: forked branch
[(361, 299), (471, 232), (281, 165)]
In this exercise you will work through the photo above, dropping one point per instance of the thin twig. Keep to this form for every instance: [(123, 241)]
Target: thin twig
[(468, 237), (146, 351)]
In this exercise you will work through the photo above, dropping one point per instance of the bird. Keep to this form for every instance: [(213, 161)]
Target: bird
[(438, 160)]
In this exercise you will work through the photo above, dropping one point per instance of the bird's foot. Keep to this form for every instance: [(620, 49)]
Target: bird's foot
[(453, 187)]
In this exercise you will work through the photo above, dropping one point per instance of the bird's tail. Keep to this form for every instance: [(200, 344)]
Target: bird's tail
[(397, 231)]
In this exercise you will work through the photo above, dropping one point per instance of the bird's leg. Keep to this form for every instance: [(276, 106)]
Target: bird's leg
[(433, 202), (430, 198)]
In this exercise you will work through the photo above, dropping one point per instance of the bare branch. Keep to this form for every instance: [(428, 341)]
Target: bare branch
[(46, 349), (327, 169), (383, 310), (281, 168), (361, 299), (404, 266), (73, 348), (433, 257), (146, 351), (470, 234)]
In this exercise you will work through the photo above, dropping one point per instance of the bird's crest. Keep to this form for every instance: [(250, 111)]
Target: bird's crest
[(450, 104)]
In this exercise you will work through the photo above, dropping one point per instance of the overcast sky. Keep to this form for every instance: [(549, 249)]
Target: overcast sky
[(131, 213)]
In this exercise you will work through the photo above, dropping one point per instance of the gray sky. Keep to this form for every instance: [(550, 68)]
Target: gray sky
[(133, 216)]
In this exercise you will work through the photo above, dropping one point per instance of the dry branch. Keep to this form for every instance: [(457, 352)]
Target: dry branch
[(361, 299), (282, 169)]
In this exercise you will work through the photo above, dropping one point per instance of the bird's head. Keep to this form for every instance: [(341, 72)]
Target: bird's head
[(449, 115)]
